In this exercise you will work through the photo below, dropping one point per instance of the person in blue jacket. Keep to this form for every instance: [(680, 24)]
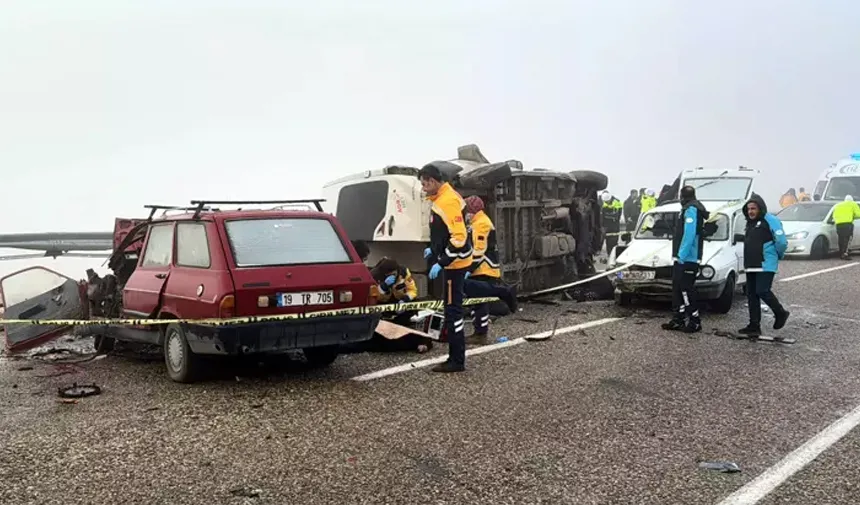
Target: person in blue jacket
[(687, 245), (764, 245)]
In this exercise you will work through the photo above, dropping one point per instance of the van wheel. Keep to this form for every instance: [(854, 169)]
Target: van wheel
[(623, 299), (182, 364), (819, 248), (723, 304), (103, 344), (591, 179), (321, 357)]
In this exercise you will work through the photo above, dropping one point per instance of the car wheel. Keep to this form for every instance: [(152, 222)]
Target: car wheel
[(819, 248), (182, 364), (103, 344), (623, 299), (723, 304), (321, 357)]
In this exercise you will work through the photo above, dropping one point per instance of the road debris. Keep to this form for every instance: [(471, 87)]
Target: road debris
[(720, 466), (79, 391), (246, 492)]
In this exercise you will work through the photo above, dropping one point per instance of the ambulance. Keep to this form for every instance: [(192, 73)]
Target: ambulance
[(841, 179)]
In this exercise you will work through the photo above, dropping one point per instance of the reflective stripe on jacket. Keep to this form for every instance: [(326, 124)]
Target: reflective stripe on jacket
[(404, 288), (449, 239), (485, 255)]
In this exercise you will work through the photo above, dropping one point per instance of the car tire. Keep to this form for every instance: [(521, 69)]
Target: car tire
[(103, 344), (623, 299), (182, 364), (591, 179), (819, 249), (723, 304), (321, 357)]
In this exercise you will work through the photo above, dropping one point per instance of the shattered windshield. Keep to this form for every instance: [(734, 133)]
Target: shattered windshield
[(661, 225), (840, 187), (720, 188), (805, 212)]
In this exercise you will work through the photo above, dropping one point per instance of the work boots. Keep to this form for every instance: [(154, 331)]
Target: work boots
[(675, 324), (751, 331), (694, 325), (779, 319)]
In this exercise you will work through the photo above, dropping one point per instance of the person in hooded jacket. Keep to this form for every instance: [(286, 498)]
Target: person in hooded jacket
[(765, 244), (687, 246), (632, 209)]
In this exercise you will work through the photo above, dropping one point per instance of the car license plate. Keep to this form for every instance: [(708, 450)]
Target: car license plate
[(637, 275), (306, 298)]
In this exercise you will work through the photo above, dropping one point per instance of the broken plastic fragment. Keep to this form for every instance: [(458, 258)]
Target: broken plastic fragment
[(720, 466)]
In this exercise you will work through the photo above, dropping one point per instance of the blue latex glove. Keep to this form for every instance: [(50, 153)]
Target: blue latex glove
[(390, 280), (434, 272), (427, 253), (467, 275)]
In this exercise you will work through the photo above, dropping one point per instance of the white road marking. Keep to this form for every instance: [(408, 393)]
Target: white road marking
[(480, 350), (773, 477), (817, 272)]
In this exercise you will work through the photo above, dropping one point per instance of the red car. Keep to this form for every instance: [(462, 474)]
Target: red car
[(210, 263)]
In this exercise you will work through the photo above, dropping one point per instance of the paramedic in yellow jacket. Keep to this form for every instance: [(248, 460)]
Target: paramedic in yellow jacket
[(450, 250), (394, 282), (485, 276)]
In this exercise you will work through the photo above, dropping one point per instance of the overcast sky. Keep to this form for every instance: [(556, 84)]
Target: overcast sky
[(108, 105)]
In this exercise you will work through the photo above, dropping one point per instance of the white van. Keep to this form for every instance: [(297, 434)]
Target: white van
[(649, 252), (385, 207), (842, 178)]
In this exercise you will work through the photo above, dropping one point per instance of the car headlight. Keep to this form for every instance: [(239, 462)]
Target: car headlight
[(798, 235), (707, 272)]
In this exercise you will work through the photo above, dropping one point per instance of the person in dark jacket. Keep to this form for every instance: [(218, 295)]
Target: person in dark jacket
[(764, 245), (632, 209), (687, 246), (610, 214)]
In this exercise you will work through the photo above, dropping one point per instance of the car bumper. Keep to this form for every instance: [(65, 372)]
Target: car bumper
[(798, 248), (280, 336), (662, 288)]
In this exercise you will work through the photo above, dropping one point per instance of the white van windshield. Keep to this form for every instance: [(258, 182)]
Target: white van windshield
[(720, 188), (839, 187), (661, 225)]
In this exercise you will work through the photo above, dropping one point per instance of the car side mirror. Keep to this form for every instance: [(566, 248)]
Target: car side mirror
[(739, 237), (829, 220), (625, 237)]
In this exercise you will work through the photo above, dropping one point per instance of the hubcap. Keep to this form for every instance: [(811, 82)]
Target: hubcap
[(174, 351)]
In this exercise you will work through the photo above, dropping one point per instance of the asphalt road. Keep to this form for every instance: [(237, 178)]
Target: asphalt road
[(614, 414)]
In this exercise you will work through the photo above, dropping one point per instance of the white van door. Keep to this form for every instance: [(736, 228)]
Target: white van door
[(739, 228)]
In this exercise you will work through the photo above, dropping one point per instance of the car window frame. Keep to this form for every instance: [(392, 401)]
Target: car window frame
[(143, 254), (176, 261)]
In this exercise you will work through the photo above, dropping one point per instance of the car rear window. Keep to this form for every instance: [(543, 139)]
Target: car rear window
[(285, 241)]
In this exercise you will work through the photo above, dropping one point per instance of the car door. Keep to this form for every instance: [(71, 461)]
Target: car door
[(39, 293), (739, 228), (828, 229), (142, 293)]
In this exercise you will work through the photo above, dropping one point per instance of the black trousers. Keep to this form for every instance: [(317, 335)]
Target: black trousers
[(759, 290), (482, 286), (685, 301), (454, 322), (630, 225), (612, 230), (845, 232)]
